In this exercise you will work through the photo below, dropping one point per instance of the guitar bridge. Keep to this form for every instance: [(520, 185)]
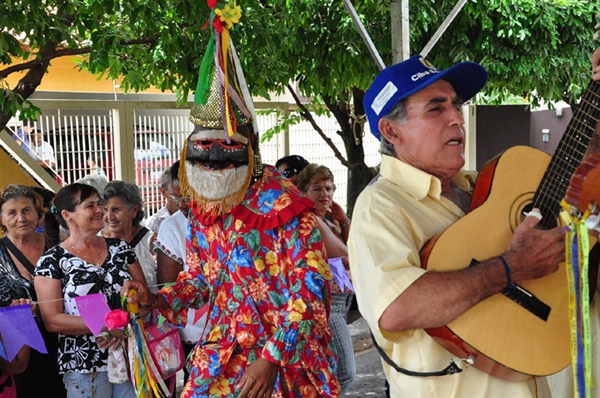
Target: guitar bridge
[(524, 298), (527, 300)]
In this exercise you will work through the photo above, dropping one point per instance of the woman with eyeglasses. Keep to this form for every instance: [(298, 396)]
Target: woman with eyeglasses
[(123, 213), (291, 166), (316, 182)]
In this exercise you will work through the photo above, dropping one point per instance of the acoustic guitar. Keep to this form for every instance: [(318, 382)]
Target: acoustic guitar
[(525, 332)]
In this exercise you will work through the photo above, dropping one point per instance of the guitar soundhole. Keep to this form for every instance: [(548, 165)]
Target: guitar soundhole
[(548, 216)]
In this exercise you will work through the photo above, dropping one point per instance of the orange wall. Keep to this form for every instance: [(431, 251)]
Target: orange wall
[(63, 75)]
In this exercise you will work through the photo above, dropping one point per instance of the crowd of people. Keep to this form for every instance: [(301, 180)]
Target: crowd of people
[(257, 264), (92, 236)]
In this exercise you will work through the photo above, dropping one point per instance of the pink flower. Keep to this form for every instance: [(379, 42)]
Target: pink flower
[(116, 319)]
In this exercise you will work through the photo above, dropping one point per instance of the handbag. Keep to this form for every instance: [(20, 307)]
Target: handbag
[(166, 348)]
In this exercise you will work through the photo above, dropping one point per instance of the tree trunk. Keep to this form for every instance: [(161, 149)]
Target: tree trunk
[(351, 119), (26, 86)]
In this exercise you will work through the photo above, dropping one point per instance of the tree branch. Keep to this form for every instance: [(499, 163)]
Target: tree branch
[(66, 52), (340, 114), (308, 116)]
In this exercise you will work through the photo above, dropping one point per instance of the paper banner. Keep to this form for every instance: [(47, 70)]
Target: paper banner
[(93, 309), (2, 351), (18, 328), (339, 274)]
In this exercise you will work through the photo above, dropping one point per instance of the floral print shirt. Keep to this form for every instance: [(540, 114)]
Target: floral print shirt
[(262, 269), (79, 278)]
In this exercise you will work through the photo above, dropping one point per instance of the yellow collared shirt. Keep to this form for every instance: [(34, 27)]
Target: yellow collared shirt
[(393, 218)]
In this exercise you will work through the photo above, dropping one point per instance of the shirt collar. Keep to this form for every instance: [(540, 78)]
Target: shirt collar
[(418, 183)]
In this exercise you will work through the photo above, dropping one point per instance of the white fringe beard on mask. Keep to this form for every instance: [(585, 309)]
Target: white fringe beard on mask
[(216, 184)]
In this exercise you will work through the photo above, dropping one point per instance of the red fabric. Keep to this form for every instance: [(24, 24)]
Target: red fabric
[(256, 210), (269, 291), (8, 388)]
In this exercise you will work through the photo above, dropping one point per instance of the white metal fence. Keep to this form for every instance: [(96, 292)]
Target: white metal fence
[(135, 141)]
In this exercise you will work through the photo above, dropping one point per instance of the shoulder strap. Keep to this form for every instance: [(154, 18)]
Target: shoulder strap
[(447, 371), (138, 237), (17, 253)]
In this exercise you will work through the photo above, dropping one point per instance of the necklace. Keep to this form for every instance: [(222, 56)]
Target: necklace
[(97, 263)]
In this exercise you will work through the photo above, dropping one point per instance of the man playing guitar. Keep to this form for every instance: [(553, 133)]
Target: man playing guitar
[(415, 110)]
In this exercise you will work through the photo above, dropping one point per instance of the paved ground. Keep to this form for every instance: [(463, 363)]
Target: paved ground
[(370, 379), (361, 336)]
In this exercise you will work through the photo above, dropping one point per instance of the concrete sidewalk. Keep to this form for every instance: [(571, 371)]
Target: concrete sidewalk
[(361, 336)]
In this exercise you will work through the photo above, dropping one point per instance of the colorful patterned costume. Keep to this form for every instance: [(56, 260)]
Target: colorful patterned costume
[(262, 269)]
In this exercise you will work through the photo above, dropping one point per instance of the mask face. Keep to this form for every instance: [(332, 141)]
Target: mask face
[(215, 168), (210, 150)]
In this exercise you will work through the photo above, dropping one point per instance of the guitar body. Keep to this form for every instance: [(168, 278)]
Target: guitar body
[(505, 339)]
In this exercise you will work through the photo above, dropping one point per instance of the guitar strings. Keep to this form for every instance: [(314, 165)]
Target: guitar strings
[(569, 152)]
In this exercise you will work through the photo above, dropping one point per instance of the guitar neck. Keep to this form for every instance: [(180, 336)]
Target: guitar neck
[(568, 155)]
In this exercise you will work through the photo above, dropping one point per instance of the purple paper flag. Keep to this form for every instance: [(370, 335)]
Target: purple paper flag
[(18, 328), (93, 309), (339, 274), (3, 351)]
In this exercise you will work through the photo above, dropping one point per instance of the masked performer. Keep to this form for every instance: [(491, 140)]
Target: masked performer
[(254, 254)]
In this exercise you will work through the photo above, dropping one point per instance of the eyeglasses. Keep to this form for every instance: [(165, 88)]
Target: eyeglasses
[(179, 199), (289, 172)]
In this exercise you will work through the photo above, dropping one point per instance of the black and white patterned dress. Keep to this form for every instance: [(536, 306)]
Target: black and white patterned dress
[(12, 285), (79, 278)]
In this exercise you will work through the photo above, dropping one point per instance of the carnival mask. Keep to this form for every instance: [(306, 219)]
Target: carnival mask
[(215, 168)]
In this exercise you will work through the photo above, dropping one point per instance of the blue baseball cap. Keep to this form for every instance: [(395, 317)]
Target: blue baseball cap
[(399, 81)]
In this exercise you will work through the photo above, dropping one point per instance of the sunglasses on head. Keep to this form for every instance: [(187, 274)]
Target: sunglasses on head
[(289, 172)]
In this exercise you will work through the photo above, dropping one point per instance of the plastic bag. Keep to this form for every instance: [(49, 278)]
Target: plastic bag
[(166, 348)]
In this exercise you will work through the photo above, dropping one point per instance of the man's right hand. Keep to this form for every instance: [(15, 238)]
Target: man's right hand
[(533, 253), (143, 295)]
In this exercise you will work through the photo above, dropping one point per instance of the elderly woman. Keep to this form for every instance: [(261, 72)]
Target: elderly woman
[(317, 184), (20, 212), (124, 211), (83, 264)]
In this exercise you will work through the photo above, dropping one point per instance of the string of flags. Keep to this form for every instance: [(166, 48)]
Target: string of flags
[(28, 333), (93, 310)]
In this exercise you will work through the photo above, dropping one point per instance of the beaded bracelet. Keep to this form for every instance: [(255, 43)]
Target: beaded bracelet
[(344, 224)]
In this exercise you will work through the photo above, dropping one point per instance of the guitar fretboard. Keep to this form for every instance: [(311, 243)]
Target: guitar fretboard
[(568, 155)]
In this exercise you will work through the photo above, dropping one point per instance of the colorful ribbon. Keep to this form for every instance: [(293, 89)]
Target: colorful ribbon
[(147, 380), (222, 19), (577, 250)]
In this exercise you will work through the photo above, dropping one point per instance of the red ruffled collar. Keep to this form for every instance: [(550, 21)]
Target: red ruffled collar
[(269, 203)]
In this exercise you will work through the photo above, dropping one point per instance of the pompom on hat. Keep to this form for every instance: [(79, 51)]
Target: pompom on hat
[(400, 81)]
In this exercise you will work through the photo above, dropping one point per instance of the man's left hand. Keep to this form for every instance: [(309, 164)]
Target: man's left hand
[(258, 380)]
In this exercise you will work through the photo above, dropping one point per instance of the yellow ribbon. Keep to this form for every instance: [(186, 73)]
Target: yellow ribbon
[(580, 320), (225, 50)]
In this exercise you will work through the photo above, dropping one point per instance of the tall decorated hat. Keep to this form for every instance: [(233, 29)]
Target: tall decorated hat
[(222, 99), (222, 102)]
